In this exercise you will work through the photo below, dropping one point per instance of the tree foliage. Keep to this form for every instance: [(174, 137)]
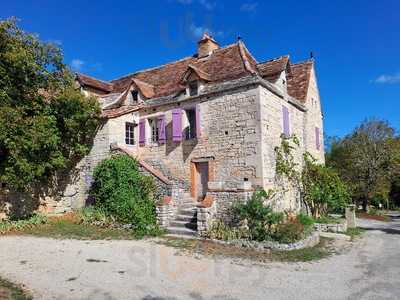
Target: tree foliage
[(367, 160), (45, 123), (323, 190)]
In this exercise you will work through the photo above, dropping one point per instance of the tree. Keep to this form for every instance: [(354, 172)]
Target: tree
[(45, 123), (365, 159)]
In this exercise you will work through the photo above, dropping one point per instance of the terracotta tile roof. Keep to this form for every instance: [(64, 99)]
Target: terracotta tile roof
[(298, 81), (119, 111), (231, 62), (271, 69), (224, 64), (86, 80)]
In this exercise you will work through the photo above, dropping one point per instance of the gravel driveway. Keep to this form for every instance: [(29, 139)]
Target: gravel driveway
[(70, 269)]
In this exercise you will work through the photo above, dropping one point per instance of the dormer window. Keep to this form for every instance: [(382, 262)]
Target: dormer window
[(135, 95), (193, 88)]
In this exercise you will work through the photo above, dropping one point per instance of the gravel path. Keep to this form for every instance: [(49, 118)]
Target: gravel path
[(70, 269)]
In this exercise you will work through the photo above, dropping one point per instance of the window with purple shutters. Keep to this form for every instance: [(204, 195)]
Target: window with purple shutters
[(162, 137), (286, 124), (317, 138), (142, 132), (177, 125)]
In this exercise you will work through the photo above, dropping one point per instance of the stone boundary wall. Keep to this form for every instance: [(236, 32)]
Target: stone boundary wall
[(226, 194), (310, 241), (334, 227), (205, 216)]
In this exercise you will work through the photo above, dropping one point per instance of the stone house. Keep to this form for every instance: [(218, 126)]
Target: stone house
[(205, 127)]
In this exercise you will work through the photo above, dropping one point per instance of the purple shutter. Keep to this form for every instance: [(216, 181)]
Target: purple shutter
[(161, 130), (142, 132), (198, 129), (177, 125), (286, 127), (317, 138)]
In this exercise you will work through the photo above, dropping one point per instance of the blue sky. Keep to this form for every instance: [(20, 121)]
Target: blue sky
[(356, 43)]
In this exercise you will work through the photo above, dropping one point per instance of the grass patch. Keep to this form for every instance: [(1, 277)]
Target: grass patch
[(376, 217), (354, 232), (328, 220), (69, 226), (209, 248), (322, 250), (10, 291)]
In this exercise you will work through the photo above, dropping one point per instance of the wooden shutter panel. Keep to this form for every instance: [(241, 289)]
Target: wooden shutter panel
[(142, 132), (162, 137), (198, 128), (286, 125), (317, 138), (177, 125)]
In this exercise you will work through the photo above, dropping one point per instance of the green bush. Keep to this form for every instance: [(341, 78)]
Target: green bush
[(305, 219), (290, 232), (259, 218), (221, 231), (121, 191)]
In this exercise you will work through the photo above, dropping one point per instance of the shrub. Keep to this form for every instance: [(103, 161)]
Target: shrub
[(121, 191), (259, 218), (290, 232), (305, 220), (221, 231)]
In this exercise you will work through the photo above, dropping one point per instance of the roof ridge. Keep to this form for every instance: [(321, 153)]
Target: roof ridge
[(247, 66), (273, 59), (309, 60), (94, 78), (152, 68), (166, 64)]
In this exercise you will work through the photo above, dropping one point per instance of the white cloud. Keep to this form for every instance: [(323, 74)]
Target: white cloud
[(249, 7), (55, 42), (209, 5), (388, 79), (198, 31), (77, 64)]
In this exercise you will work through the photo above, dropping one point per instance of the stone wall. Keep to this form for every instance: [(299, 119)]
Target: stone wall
[(314, 118), (230, 133), (286, 197)]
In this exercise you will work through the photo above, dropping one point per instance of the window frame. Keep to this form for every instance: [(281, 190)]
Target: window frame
[(130, 133), (191, 128), (193, 88), (154, 130)]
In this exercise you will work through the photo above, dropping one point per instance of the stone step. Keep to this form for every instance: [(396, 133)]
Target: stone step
[(181, 231), (187, 205), (186, 218), (184, 224), (188, 212)]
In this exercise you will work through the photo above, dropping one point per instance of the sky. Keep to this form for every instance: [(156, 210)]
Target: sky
[(356, 43)]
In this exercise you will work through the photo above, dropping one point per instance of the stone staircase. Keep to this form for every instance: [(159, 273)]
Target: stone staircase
[(185, 222)]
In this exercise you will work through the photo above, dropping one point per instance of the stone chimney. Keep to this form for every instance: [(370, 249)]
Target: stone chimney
[(206, 45)]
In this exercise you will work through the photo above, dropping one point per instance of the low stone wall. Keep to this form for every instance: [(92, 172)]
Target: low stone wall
[(310, 241), (165, 211), (226, 194), (206, 215), (333, 227)]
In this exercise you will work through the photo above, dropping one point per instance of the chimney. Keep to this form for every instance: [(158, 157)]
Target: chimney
[(206, 45)]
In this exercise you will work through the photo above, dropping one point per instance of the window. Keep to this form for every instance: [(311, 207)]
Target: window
[(135, 96), (129, 133), (190, 130), (154, 130), (193, 88)]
